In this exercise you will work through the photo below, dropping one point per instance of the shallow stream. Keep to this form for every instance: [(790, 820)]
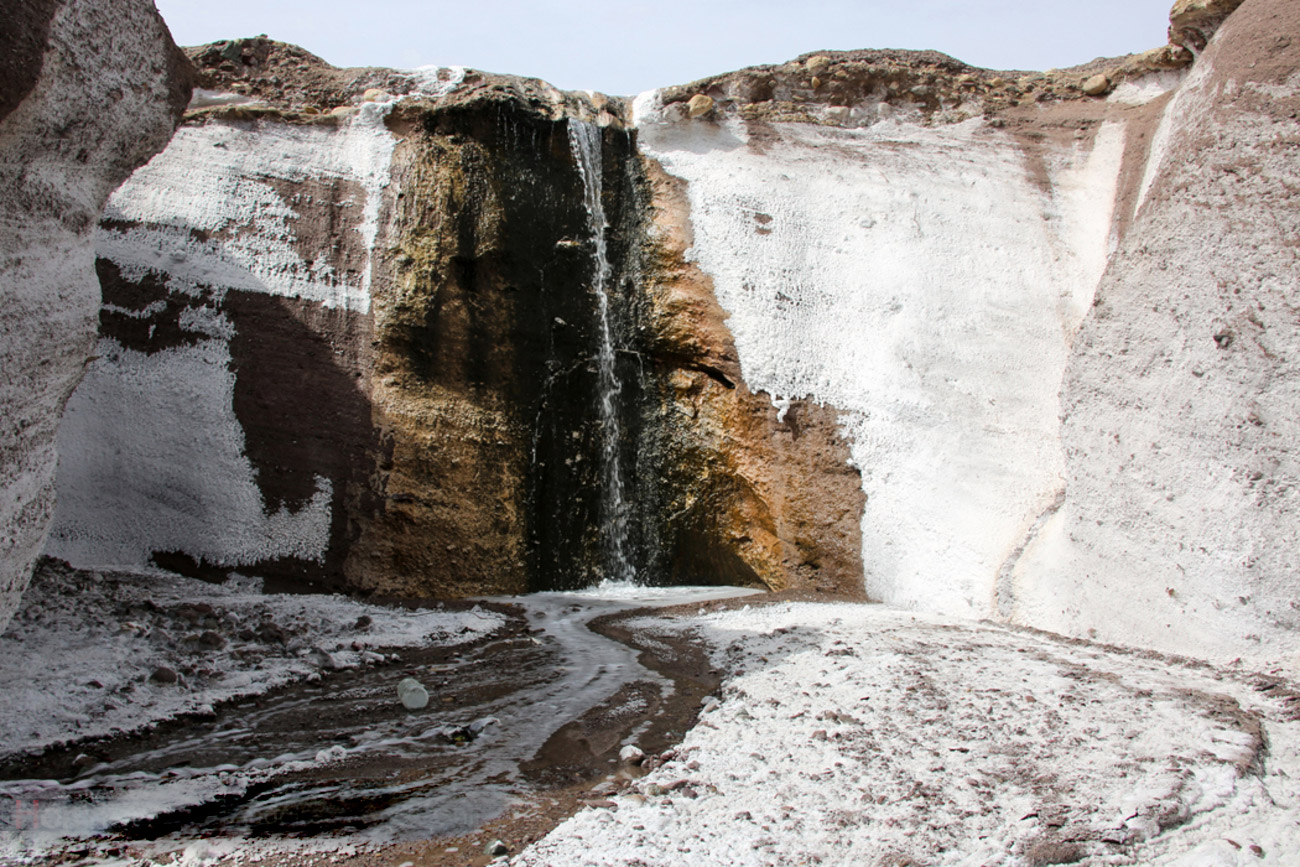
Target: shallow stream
[(342, 755)]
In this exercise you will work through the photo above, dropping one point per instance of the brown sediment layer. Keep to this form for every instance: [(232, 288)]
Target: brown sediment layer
[(743, 499)]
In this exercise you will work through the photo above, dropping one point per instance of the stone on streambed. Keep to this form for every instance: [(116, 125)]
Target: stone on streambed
[(413, 695), (631, 755)]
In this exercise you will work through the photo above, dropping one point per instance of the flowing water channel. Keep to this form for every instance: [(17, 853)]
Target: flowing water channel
[(343, 756)]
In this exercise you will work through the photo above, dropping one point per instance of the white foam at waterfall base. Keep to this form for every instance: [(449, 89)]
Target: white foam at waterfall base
[(921, 281)]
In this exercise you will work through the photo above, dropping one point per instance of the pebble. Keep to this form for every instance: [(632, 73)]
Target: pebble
[(163, 674), (413, 696)]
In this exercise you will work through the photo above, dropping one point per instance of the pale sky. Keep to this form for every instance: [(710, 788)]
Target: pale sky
[(626, 46)]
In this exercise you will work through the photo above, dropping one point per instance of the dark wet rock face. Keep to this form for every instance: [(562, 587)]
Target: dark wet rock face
[(486, 379)]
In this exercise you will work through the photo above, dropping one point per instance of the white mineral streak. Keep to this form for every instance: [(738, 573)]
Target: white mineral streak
[(1140, 91), (152, 459), (1190, 97), (216, 179), (925, 283)]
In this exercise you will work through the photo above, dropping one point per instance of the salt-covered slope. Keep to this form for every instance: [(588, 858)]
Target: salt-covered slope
[(1179, 528), (925, 279), (921, 253), (91, 91), (851, 735), (229, 210)]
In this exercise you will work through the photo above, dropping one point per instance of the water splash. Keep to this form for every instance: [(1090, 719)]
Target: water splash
[(585, 142)]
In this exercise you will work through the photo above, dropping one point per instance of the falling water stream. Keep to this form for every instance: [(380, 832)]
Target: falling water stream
[(585, 141)]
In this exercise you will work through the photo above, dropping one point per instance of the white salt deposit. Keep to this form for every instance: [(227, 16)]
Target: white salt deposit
[(152, 459), (72, 656), (209, 215), (924, 282), (851, 734), (1142, 90)]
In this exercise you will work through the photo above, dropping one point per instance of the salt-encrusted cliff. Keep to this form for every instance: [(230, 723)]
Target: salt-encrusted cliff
[(352, 339), (914, 243), (88, 92), (1180, 524), (840, 298), (922, 246)]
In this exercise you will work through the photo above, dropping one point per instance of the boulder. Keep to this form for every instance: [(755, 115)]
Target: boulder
[(1096, 85), (91, 91), (699, 105)]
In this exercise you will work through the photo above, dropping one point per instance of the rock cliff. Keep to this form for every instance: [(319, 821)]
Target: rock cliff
[(869, 321), (1180, 396), (352, 339), (89, 92)]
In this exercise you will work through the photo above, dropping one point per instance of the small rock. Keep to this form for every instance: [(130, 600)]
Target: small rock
[(631, 755), (819, 735), (212, 640), (270, 632), (343, 111), (1097, 85), (818, 64), (321, 657), (816, 82), (163, 674), (374, 94), (412, 694), (365, 621), (496, 848), (699, 105)]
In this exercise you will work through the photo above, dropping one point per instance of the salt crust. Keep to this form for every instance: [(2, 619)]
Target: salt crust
[(135, 478), (920, 280), (213, 179), (852, 734)]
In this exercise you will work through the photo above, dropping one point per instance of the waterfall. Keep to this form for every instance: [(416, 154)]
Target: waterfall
[(585, 141)]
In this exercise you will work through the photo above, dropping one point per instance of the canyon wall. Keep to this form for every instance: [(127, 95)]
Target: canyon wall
[(352, 339), (915, 243), (1001, 345), (89, 91), (1180, 521)]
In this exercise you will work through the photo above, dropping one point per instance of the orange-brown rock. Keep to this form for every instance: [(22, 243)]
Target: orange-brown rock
[(746, 499)]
